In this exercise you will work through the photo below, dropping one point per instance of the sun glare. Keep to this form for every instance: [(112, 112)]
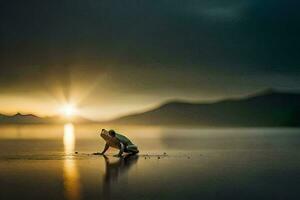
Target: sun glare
[(69, 110)]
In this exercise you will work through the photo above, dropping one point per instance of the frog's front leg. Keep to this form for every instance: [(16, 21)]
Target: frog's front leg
[(122, 147), (105, 149)]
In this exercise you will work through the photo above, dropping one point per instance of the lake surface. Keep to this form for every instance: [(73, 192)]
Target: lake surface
[(39, 162)]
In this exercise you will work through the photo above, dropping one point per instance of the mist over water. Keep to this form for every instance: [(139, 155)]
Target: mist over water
[(39, 162)]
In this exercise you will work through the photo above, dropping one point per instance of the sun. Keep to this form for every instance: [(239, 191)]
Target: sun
[(68, 110)]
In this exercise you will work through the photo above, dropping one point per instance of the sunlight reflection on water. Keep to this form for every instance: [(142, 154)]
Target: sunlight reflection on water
[(69, 138), (70, 170)]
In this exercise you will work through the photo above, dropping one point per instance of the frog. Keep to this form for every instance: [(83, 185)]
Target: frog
[(117, 141)]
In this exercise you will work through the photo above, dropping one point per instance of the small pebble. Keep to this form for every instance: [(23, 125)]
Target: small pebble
[(158, 157), (76, 152)]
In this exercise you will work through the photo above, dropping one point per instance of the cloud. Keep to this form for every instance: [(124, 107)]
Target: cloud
[(155, 49)]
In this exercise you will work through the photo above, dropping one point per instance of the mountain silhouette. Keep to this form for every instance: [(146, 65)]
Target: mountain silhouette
[(33, 119), (266, 108), (20, 118)]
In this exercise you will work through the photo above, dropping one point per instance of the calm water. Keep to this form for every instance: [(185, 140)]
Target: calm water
[(38, 162)]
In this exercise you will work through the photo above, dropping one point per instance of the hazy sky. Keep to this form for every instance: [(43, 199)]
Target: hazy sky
[(116, 56)]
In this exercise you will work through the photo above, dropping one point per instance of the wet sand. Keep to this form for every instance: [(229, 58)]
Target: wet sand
[(249, 164), (188, 175)]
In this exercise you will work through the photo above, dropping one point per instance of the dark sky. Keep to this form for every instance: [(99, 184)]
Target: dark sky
[(114, 56)]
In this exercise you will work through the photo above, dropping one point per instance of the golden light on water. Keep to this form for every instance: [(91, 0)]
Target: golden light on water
[(71, 180), (70, 171), (69, 138)]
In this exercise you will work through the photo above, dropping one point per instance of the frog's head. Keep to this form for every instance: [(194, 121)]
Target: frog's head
[(107, 135)]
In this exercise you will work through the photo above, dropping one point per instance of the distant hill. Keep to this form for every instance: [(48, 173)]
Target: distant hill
[(19, 119), (32, 119), (268, 108)]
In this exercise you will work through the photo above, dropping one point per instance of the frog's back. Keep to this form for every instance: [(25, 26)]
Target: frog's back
[(123, 139)]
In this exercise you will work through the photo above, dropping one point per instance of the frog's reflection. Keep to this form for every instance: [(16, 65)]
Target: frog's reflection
[(114, 168)]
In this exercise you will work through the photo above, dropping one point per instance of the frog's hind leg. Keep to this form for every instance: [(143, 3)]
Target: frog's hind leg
[(132, 149)]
